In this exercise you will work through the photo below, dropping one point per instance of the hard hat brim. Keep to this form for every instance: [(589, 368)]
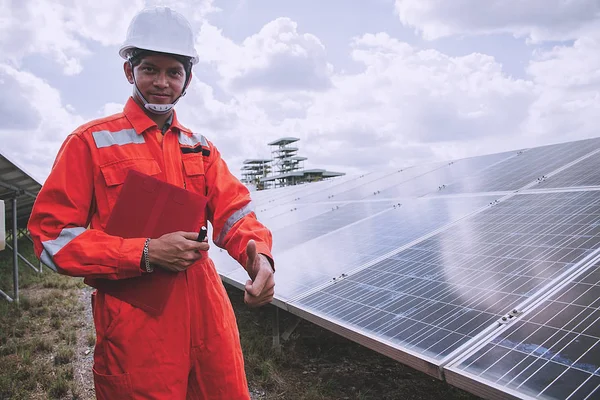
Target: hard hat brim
[(125, 50)]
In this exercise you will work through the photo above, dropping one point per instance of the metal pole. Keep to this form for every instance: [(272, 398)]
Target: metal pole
[(7, 297), (26, 261), (15, 251), (275, 322)]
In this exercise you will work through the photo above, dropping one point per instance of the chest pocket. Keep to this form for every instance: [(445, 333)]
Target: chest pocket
[(193, 169), (114, 175)]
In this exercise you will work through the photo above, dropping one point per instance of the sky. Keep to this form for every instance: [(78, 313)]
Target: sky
[(364, 84)]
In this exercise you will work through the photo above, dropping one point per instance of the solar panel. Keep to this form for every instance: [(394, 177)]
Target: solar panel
[(529, 165), (333, 217), (466, 270), (551, 352), (289, 194), (330, 194), (435, 296), (583, 173), (14, 180), (373, 186), (326, 258), (433, 182), (291, 214)]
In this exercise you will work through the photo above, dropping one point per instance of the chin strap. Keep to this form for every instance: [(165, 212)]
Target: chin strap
[(154, 108)]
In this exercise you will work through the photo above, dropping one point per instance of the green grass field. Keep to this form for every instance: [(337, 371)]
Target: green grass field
[(38, 335)]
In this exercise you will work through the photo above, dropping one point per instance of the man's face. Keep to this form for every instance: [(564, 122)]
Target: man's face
[(160, 78)]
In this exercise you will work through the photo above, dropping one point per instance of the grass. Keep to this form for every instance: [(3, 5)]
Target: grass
[(38, 334)]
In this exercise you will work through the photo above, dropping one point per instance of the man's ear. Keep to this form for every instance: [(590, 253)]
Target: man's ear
[(128, 71), (189, 81)]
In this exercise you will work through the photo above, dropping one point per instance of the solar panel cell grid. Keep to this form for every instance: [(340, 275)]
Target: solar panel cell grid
[(330, 193), (375, 187), (434, 180), (553, 351), (321, 259), (519, 171), (436, 295), (583, 173), (332, 218)]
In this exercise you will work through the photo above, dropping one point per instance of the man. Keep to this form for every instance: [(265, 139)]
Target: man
[(191, 349)]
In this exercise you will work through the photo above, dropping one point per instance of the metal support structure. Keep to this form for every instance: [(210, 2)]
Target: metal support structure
[(17, 191), (26, 261), (7, 297), (288, 332), (15, 251), (275, 320), (26, 234)]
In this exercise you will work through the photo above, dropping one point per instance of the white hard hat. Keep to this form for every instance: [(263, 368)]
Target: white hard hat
[(160, 29)]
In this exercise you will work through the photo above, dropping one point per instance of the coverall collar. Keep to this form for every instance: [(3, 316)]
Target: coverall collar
[(141, 122)]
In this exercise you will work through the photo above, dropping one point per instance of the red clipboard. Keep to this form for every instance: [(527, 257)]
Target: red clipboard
[(149, 208)]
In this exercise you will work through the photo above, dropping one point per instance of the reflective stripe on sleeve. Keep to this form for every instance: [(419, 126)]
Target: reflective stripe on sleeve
[(231, 221), (51, 247), (120, 138)]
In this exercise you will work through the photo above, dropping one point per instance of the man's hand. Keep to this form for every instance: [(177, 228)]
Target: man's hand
[(261, 286), (176, 251)]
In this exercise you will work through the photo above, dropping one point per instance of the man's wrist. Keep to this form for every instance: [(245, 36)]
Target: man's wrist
[(271, 262)]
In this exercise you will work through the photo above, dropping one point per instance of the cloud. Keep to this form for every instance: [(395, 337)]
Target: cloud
[(17, 111), (34, 140), (568, 82), (194, 11), (402, 105), (64, 30), (406, 105), (277, 58), (537, 20)]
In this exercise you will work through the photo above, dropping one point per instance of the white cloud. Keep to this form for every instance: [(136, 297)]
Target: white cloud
[(277, 58), (406, 106), (538, 20), (33, 135), (110, 108), (568, 81), (194, 11), (409, 104), (403, 105), (64, 30)]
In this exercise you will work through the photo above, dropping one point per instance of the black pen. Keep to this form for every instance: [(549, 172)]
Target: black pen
[(202, 234)]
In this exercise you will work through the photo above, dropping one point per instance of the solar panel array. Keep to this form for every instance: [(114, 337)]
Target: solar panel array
[(481, 271), (16, 183)]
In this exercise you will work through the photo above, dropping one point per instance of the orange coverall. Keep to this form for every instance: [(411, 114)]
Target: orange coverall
[(191, 350)]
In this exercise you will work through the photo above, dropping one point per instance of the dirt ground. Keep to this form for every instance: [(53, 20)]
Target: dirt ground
[(84, 354)]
